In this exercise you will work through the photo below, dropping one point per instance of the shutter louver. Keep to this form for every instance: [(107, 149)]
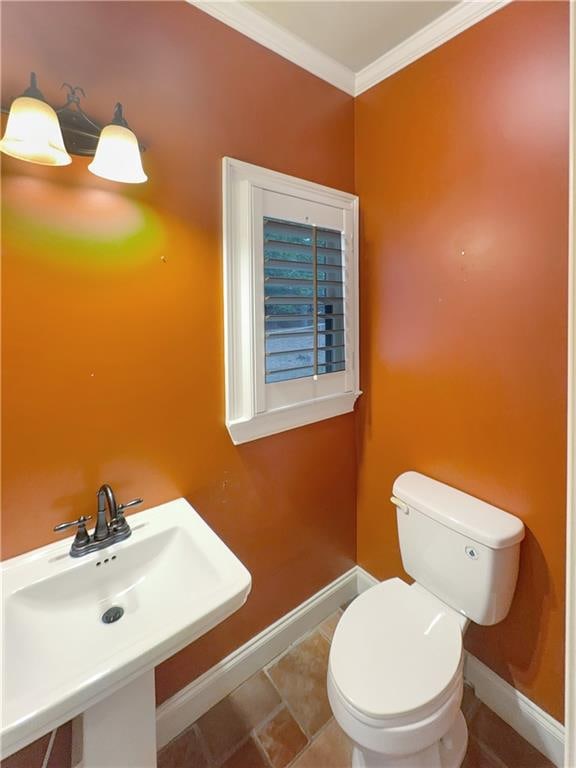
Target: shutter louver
[(304, 301)]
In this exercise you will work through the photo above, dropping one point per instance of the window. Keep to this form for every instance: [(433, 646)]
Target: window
[(291, 303), (303, 301)]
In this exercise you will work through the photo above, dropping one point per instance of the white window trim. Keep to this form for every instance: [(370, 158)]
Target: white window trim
[(241, 261)]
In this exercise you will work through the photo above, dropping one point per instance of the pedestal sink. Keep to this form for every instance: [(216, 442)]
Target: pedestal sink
[(160, 589)]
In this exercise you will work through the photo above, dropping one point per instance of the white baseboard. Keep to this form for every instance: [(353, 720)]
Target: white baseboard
[(185, 707), (190, 703), (532, 723), (364, 579)]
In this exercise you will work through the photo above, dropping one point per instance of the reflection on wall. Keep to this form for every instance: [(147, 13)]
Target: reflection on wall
[(88, 227)]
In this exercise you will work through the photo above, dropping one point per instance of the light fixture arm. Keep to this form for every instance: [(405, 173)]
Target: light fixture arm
[(74, 93), (75, 121)]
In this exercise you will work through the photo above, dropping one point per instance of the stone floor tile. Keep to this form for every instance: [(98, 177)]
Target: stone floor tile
[(281, 739), (61, 753), (502, 741), (329, 625), (227, 724), (185, 751), (300, 676), (31, 756), (330, 749), (247, 756), (476, 757)]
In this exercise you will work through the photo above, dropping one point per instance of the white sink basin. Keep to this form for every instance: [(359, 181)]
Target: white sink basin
[(175, 580)]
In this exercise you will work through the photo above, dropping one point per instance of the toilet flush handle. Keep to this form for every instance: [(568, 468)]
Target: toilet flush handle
[(400, 504)]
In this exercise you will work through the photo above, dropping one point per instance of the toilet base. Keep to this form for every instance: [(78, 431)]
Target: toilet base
[(447, 753)]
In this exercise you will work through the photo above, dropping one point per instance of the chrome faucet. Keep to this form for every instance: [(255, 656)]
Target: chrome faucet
[(109, 528)]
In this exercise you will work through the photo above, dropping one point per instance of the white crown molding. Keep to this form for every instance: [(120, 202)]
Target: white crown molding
[(257, 27), (439, 31), (246, 20)]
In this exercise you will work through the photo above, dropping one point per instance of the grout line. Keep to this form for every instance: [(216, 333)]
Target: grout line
[(298, 755), (178, 735), (306, 635), (297, 642), (310, 743), (203, 745), (289, 708), (261, 749), (323, 631), (250, 736), (321, 730), (493, 756), (271, 715), (287, 650), (309, 736), (49, 748), (227, 755)]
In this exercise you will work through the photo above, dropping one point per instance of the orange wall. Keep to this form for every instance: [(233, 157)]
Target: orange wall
[(462, 171), (112, 334), (112, 313)]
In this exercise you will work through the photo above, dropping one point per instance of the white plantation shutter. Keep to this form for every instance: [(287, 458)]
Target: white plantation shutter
[(291, 303), (303, 301)]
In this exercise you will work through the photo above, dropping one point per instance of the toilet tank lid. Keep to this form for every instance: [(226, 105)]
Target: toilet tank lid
[(459, 511)]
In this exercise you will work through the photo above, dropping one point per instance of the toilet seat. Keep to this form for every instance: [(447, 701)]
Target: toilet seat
[(396, 655), (393, 737)]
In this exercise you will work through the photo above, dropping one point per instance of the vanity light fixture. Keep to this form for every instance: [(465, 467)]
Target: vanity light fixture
[(118, 154), (37, 133), (33, 132)]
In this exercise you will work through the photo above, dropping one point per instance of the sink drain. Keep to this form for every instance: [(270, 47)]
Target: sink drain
[(112, 614)]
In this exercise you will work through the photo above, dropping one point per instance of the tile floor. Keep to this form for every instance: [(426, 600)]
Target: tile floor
[(281, 717), (50, 751)]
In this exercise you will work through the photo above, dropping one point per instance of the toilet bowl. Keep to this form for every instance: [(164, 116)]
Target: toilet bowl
[(395, 678), (395, 672)]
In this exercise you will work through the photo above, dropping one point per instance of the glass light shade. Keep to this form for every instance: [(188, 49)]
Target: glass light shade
[(33, 133), (117, 156)]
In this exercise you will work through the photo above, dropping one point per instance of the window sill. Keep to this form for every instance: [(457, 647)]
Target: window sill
[(290, 417)]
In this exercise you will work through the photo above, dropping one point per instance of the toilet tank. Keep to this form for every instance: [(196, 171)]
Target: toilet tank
[(461, 549)]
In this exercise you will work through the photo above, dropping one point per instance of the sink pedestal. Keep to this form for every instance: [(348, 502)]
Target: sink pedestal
[(121, 729)]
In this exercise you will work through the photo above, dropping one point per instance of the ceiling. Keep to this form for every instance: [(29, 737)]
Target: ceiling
[(352, 32)]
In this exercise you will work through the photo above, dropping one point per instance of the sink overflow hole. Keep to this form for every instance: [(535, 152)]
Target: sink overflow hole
[(112, 614)]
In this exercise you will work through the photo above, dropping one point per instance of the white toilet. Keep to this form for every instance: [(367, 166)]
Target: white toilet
[(395, 675)]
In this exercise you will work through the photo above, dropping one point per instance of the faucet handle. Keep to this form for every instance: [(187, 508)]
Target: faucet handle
[(119, 524), (82, 537), (79, 523), (133, 503)]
